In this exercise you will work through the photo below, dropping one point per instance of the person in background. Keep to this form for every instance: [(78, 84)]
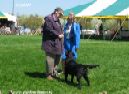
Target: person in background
[(71, 37), (52, 41), (101, 29)]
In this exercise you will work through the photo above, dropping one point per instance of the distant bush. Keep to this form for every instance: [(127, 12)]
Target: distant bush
[(33, 21), (111, 24)]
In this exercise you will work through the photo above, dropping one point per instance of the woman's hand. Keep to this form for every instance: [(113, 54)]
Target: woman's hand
[(61, 36)]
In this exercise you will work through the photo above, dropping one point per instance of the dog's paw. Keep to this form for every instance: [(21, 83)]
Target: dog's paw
[(88, 85), (10, 92), (104, 92), (79, 87), (66, 81)]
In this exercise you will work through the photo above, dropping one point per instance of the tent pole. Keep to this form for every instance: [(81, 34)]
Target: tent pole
[(121, 23), (90, 35), (86, 23), (83, 32), (127, 24), (85, 28), (13, 8), (80, 25)]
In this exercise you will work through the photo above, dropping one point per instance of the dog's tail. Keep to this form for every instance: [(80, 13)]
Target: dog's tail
[(91, 66)]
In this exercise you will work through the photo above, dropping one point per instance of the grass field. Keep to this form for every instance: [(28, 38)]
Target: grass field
[(22, 64)]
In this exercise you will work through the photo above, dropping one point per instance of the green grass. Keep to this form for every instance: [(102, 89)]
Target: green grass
[(22, 63)]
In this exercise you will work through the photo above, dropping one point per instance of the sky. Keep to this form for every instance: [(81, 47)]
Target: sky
[(40, 7)]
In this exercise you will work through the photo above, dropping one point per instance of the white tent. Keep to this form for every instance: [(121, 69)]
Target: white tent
[(10, 17), (96, 7), (124, 12), (105, 9), (101, 9)]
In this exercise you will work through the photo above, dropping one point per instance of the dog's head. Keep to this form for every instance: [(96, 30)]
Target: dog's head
[(69, 58), (69, 55)]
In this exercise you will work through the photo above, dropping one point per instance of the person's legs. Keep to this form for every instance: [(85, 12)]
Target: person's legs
[(49, 64), (74, 52), (63, 65), (63, 57), (56, 63)]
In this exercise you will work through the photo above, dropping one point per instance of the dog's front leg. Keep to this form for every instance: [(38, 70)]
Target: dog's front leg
[(87, 80), (72, 77), (79, 84), (66, 75)]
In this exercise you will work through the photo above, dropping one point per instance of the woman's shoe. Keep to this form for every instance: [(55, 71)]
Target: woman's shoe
[(49, 77)]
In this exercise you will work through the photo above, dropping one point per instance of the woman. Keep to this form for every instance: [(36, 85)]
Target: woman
[(52, 41), (71, 36)]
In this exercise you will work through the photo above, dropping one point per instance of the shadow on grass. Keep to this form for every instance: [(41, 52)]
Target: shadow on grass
[(68, 82), (35, 74), (59, 79), (43, 75)]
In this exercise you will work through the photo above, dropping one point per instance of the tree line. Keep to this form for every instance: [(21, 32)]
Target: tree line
[(32, 21)]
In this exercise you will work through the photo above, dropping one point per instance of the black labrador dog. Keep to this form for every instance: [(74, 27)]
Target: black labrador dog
[(78, 70)]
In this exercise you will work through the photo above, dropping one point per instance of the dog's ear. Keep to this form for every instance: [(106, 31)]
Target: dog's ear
[(71, 55), (67, 53)]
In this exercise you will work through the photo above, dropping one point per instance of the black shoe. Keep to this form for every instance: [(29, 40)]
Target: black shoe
[(59, 71)]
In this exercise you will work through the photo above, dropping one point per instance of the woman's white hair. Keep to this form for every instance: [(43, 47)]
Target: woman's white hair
[(58, 9)]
